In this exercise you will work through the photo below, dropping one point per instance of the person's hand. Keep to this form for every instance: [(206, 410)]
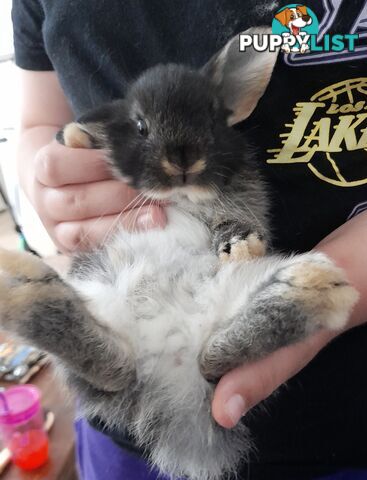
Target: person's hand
[(243, 388), (80, 203)]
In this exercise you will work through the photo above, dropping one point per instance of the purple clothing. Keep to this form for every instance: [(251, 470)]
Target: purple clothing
[(99, 458)]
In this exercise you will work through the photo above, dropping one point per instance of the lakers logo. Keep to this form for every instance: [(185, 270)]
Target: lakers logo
[(328, 134)]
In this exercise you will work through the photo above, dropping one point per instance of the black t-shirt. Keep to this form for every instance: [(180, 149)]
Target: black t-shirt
[(310, 134)]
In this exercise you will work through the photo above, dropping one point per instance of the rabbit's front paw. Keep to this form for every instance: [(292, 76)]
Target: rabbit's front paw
[(242, 248), (314, 282)]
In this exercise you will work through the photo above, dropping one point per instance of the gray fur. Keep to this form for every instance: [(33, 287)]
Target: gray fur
[(163, 398), (142, 324)]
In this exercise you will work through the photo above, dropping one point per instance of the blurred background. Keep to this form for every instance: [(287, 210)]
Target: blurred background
[(20, 228), (18, 211)]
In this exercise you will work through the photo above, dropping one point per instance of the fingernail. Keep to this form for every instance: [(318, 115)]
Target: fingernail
[(145, 221), (235, 408)]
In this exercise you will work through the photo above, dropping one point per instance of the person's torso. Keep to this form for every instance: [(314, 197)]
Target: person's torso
[(309, 129), (310, 132)]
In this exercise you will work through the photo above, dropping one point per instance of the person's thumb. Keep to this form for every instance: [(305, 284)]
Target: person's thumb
[(244, 387), (144, 218)]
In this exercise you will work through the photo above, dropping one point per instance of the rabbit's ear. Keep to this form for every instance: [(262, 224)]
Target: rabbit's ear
[(242, 77), (89, 131), (76, 135)]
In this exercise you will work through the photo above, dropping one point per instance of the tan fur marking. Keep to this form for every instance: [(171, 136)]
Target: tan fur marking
[(174, 170), (198, 167), (324, 289), (245, 250), (23, 264), (74, 137), (317, 276), (17, 264), (171, 169), (257, 247), (196, 193), (24, 296), (239, 252)]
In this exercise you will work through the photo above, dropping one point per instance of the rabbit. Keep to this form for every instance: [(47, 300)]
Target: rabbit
[(144, 326)]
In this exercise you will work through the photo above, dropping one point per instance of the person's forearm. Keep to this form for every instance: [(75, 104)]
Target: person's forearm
[(31, 140), (347, 247), (44, 110)]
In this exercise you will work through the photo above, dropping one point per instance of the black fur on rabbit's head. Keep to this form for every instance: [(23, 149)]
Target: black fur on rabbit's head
[(173, 130)]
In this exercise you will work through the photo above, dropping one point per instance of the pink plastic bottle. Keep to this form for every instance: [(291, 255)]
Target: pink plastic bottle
[(21, 424)]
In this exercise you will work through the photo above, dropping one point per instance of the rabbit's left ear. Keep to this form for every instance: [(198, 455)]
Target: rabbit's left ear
[(242, 77), (75, 135), (89, 131)]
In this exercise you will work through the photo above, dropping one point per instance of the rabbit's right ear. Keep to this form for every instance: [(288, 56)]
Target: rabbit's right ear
[(241, 77), (89, 131)]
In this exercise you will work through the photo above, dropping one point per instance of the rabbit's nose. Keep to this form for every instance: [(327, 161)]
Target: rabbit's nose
[(180, 155), (183, 156), (177, 155), (183, 175)]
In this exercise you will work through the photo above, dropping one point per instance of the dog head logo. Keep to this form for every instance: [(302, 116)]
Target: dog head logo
[(294, 18), (296, 23)]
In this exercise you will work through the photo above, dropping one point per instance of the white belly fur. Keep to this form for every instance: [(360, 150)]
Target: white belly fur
[(169, 293)]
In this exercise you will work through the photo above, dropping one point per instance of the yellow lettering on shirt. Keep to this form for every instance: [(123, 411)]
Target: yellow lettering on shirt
[(333, 122)]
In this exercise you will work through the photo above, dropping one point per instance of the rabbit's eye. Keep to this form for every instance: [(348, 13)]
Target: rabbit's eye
[(142, 127)]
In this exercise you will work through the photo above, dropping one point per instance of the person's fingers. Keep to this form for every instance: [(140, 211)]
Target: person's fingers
[(87, 234), (57, 165), (244, 387), (79, 202), (90, 200)]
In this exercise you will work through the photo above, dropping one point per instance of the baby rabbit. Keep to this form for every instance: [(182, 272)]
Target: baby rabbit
[(144, 326)]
